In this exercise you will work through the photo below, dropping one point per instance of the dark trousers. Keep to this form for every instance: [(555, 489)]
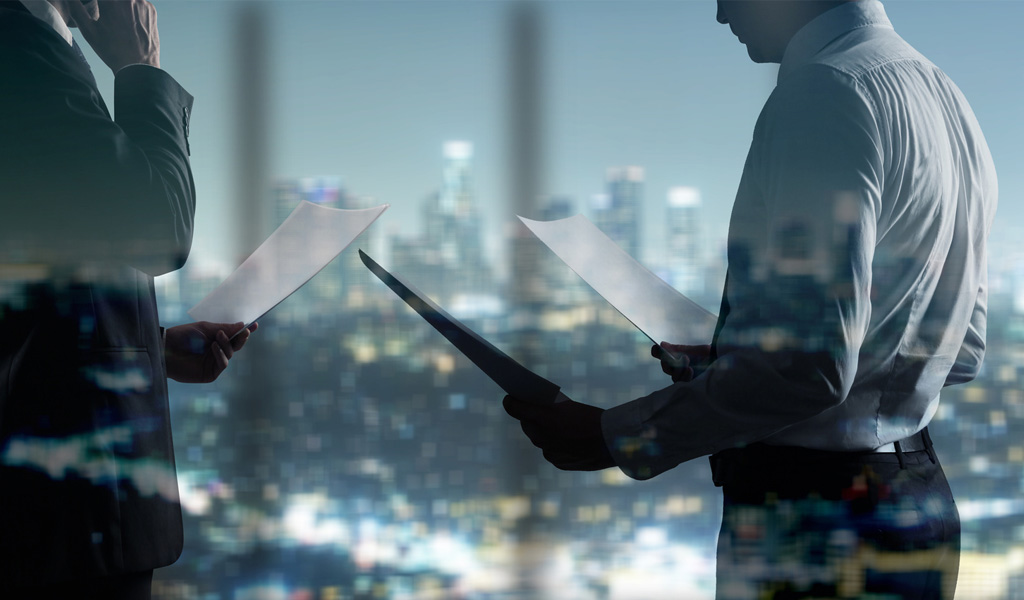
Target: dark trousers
[(800, 523), (130, 586)]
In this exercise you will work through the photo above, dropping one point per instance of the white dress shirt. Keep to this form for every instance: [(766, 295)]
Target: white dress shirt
[(857, 263)]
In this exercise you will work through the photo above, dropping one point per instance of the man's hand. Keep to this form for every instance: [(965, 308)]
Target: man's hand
[(682, 363), (124, 34), (199, 352), (568, 432)]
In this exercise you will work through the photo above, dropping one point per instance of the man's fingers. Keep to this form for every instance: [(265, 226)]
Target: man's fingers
[(83, 14), (239, 334), (535, 433), (224, 344), (665, 349), (239, 340), (678, 360), (675, 354), (560, 460), (675, 371), (574, 461), (220, 358), (682, 375), (531, 421), (520, 409), (570, 462), (674, 360), (125, 32), (551, 444), (568, 434), (84, 17)]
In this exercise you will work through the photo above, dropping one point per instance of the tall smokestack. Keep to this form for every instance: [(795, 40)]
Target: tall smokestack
[(526, 162), (251, 126), (253, 394)]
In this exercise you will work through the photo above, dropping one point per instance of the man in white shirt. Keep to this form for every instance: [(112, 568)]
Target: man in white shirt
[(856, 290)]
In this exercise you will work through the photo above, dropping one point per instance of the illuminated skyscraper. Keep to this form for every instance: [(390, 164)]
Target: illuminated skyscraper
[(326, 191), (618, 213), (685, 258), (453, 248)]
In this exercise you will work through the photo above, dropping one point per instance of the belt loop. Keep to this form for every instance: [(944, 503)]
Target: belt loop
[(929, 448), (899, 454)]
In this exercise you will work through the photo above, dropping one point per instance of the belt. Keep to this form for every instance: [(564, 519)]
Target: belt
[(915, 443), (920, 441), (738, 464)]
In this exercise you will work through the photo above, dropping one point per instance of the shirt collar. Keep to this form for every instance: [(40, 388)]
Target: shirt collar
[(828, 26), (41, 9)]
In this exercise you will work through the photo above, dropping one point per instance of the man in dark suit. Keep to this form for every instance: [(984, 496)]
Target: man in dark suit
[(91, 209)]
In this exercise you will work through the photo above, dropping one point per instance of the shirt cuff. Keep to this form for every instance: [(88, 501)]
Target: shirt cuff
[(632, 443), (135, 65)]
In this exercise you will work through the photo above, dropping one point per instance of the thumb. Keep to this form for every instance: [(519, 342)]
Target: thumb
[(520, 409), (82, 14), (228, 328), (674, 355)]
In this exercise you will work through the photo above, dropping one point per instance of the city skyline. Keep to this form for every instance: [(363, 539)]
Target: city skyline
[(380, 444), (446, 250)]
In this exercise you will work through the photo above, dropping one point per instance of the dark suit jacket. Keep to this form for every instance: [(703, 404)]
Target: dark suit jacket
[(91, 208)]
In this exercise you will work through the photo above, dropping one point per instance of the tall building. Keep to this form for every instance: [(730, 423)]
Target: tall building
[(683, 243), (557, 207), (288, 193), (618, 212), (449, 259)]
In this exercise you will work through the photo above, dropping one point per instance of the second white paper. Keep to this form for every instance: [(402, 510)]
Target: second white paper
[(310, 238), (657, 309)]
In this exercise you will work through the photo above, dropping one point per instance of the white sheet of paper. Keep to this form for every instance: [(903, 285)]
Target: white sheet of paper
[(297, 250), (657, 309)]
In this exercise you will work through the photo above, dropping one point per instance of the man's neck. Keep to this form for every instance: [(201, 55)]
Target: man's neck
[(802, 13)]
